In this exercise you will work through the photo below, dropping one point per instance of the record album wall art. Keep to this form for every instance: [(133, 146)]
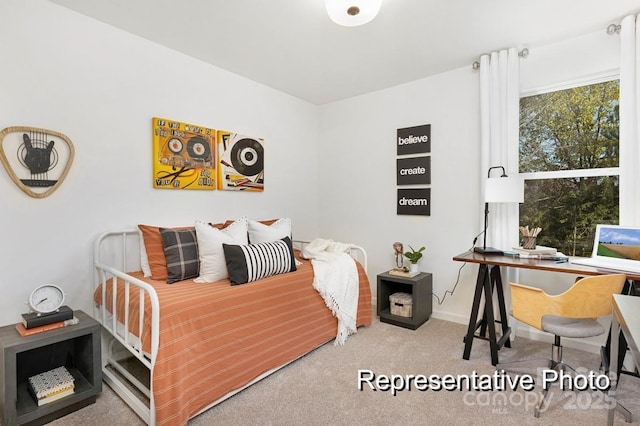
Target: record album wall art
[(184, 155), (37, 160), (241, 165)]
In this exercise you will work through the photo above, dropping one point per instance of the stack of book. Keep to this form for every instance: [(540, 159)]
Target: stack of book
[(401, 272), (23, 331), (536, 252), (540, 252), (51, 385), (33, 323), (36, 319)]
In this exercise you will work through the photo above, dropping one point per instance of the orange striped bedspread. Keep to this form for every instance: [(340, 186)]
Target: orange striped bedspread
[(216, 338)]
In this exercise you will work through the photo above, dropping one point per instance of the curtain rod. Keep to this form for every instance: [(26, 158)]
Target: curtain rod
[(523, 54), (611, 30)]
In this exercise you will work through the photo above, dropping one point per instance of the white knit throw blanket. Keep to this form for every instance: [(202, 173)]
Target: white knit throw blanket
[(336, 279)]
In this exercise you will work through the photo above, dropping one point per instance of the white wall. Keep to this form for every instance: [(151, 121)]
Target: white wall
[(570, 60), (358, 178), (101, 86), (358, 189)]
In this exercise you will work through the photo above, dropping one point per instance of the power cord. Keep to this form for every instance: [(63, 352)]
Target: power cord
[(440, 302), (474, 240)]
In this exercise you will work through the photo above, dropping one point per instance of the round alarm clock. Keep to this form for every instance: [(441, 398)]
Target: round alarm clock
[(46, 298)]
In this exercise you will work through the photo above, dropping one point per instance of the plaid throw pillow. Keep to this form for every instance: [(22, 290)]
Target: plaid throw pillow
[(181, 253)]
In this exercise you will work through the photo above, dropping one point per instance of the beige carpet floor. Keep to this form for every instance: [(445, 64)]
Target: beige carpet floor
[(322, 388)]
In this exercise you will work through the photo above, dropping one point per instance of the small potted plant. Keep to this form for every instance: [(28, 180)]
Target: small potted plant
[(414, 257)]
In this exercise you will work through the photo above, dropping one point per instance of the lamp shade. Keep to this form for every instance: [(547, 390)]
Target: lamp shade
[(504, 190), (351, 13)]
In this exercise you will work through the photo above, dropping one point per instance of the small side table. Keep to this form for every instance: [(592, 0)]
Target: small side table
[(77, 347), (420, 287)]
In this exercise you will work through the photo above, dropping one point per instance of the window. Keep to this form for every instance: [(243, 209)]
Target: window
[(569, 150)]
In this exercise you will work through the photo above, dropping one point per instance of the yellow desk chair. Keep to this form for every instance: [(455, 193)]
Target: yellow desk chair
[(570, 314)]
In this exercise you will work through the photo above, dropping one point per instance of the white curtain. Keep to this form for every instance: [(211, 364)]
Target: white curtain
[(630, 121), (499, 127)]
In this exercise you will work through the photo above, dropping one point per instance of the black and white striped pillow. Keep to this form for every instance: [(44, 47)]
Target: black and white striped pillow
[(252, 262)]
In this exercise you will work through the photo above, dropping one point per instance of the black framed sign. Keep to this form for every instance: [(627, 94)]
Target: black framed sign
[(414, 140), (413, 170), (414, 201)]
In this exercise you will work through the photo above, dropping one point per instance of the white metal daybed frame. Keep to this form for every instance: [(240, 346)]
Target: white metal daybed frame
[(116, 331)]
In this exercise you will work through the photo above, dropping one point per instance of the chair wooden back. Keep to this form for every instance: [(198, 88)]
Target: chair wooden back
[(589, 297)]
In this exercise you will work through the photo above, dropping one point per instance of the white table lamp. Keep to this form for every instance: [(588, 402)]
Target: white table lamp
[(503, 189)]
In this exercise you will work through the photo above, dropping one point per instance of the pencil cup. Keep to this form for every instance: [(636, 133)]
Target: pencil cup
[(529, 243)]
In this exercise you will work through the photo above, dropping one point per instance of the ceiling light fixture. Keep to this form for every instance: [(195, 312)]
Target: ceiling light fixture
[(351, 13)]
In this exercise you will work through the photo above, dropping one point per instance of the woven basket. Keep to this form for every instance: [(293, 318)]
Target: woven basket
[(401, 304)]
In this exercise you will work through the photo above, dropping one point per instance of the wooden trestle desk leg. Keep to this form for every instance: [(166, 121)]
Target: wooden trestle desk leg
[(505, 340), (488, 279)]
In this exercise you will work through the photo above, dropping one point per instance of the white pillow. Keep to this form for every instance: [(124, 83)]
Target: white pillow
[(213, 266), (261, 233), (144, 259)]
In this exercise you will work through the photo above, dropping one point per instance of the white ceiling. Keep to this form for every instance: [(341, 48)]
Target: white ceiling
[(293, 46)]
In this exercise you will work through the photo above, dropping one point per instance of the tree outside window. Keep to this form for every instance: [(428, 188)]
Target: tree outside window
[(569, 149)]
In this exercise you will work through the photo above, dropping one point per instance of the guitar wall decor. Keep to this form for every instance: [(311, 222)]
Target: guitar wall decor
[(37, 160)]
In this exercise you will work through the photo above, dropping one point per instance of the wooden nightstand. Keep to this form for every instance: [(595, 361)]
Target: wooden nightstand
[(77, 347), (420, 287)]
